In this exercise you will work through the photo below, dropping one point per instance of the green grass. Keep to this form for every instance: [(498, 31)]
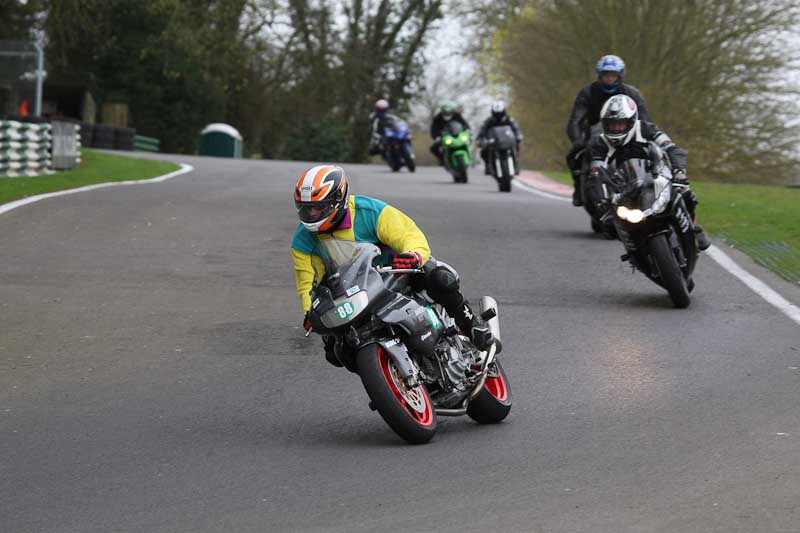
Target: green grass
[(762, 221), (561, 177), (95, 167)]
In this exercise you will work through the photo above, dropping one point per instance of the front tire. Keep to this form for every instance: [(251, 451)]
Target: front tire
[(461, 169), (671, 275), (504, 180), (408, 412), (493, 402), (408, 157)]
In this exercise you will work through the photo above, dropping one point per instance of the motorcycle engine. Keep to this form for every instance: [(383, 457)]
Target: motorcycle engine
[(455, 359)]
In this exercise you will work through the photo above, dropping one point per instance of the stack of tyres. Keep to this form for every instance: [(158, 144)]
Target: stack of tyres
[(124, 138), (103, 137)]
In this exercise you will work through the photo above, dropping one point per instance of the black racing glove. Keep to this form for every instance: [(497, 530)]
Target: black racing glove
[(680, 177), (307, 322)]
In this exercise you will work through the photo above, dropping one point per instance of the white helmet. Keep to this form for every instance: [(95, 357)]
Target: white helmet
[(618, 118), (498, 109)]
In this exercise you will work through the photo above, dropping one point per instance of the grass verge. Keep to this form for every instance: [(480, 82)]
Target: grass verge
[(760, 220), (95, 167), (561, 177)]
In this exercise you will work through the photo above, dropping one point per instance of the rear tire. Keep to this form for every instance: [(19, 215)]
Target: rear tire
[(671, 275), (408, 412), (493, 402)]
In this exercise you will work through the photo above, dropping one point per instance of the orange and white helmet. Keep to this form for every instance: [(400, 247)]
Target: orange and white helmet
[(320, 197)]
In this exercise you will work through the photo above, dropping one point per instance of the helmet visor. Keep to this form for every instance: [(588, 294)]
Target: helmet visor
[(311, 212), (617, 126)]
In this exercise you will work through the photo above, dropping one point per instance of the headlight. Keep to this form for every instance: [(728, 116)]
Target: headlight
[(448, 141), (464, 138), (634, 216)]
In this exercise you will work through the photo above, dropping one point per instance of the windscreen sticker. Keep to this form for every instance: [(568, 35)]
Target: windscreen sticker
[(352, 290)]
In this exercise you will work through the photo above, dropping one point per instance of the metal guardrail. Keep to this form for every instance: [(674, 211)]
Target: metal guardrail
[(147, 144)]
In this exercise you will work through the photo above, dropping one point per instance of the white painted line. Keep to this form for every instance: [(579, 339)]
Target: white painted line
[(5, 208), (758, 286), (532, 190), (755, 284)]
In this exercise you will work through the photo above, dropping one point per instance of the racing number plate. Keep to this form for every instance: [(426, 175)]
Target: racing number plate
[(345, 309)]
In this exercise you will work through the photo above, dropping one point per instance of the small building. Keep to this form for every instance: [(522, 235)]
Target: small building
[(220, 140)]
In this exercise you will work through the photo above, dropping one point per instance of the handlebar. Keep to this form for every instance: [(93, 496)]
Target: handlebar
[(390, 270)]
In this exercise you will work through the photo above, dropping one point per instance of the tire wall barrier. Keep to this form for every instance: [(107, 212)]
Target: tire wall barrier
[(35, 148), (25, 149)]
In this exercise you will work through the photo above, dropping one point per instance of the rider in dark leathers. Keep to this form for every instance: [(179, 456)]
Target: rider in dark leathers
[(586, 110), (499, 117), (447, 114), (625, 137), (379, 119)]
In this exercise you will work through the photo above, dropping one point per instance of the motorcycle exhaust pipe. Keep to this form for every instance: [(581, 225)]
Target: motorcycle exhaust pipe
[(485, 304), (450, 412)]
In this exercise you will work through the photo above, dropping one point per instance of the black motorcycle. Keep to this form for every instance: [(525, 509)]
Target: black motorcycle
[(413, 361), (653, 223), (501, 155)]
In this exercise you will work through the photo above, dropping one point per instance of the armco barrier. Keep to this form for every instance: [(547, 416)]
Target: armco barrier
[(147, 144), (27, 149)]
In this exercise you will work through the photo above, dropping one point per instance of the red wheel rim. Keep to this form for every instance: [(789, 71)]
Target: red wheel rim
[(496, 386), (425, 417)]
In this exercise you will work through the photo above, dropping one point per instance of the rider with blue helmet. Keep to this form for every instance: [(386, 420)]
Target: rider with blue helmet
[(589, 102)]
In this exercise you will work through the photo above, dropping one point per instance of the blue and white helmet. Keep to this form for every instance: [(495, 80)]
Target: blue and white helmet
[(611, 63)]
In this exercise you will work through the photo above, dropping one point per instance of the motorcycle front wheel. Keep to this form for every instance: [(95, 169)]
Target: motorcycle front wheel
[(408, 157), (460, 175), (408, 411), (671, 276), (504, 180)]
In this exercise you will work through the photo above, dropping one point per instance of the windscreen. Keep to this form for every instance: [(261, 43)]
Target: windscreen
[(347, 264)]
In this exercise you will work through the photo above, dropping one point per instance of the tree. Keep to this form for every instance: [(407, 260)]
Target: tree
[(713, 74), (17, 18), (176, 62)]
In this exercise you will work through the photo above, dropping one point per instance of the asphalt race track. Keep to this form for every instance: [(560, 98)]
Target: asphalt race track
[(154, 375)]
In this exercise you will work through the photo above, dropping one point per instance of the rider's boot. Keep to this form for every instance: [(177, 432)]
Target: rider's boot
[(702, 240), (330, 351), (474, 327), (577, 201)]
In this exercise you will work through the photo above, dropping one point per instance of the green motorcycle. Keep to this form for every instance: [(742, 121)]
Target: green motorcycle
[(456, 154)]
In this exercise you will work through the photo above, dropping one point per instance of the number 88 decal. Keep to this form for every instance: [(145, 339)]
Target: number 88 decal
[(345, 310)]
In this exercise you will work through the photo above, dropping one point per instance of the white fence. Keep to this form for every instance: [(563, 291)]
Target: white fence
[(27, 149)]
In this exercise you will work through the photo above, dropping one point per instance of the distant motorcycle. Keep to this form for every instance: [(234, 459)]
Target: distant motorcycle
[(396, 143), (456, 153), (413, 361), (501, 146), (653, 223)]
